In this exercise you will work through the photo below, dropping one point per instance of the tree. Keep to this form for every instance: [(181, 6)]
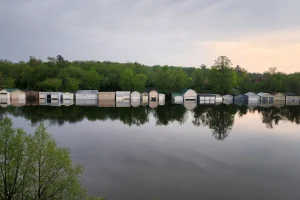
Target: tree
[(91, 80), (34, 167), (54, 176), (126, 79), (198, 80), (139, 82), (50, 84), (15, 165), (9, 82), (223, 75), (72, 84)]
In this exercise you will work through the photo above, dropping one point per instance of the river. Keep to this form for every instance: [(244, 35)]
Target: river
[(171, 153)]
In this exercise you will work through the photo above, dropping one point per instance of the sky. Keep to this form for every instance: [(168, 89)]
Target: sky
[(256, 34)]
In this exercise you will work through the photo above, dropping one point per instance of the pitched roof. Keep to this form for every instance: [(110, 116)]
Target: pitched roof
[(184, 91), (206, 94), (289, 94), (87, 91), (175, 94), (250, 94), (11, 89)]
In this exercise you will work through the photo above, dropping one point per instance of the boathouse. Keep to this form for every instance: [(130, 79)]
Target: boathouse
[(279, 97), (205, 98), (228, 98), (135, 96), (266, 98), (292, 98), (4, 96), (177, 98), (153, 95), (252, 98), (86, 95), (123, 95), (32, 95), (219, 98), (189, 95)]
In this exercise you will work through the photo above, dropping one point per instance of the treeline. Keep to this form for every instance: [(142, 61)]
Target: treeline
[(58, 74)]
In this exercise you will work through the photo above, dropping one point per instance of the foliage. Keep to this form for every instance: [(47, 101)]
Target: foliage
[(50, 84), (59, 74), (34, 167), (127, 79)]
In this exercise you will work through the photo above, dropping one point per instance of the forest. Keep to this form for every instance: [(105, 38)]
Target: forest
[(59, 74)]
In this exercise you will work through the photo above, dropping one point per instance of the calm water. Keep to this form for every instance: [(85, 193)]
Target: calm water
[(211, 152)]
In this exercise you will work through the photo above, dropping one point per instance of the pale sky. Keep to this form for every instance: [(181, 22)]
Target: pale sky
[(255, 34)]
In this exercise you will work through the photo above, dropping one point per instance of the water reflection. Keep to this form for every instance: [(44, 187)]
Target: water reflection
[(219, 118)]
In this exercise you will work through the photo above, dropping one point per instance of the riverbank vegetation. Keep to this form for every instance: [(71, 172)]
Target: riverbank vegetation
[(58, 74), (32, 166)]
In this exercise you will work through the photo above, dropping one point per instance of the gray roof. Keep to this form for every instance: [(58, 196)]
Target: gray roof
[(87, 92), (290, 94), (206, 94)]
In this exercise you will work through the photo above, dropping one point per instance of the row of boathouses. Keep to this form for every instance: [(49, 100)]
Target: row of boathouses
[(185, 96), (248, 98), (85, 96)]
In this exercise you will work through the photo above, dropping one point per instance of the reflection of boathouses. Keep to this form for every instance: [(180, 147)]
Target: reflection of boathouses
[(177, 98), (106, 99), (123, 103), (153, 104), (18, 98), (190, 105), (86, 102), (145, 98), (161, 99)]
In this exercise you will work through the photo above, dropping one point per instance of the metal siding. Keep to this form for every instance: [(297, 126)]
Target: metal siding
[(135, 96)]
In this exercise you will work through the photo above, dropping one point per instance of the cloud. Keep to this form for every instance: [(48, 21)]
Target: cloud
[(150, 31), (260, 52)]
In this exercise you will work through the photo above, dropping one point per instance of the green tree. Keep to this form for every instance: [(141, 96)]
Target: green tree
[(72, 84), (16, 164), (198, 80), (223, 77), (54, 175), (91, 80), (139, 82), (34, 167), (127, 79), (9, 82), (50, 84)]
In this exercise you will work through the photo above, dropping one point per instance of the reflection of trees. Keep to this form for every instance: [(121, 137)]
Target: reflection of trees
[(74, 114), (200, 114), (274, 115), (270, 115), (291, 113), (170, 113), (242, 110), (219, 118)]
